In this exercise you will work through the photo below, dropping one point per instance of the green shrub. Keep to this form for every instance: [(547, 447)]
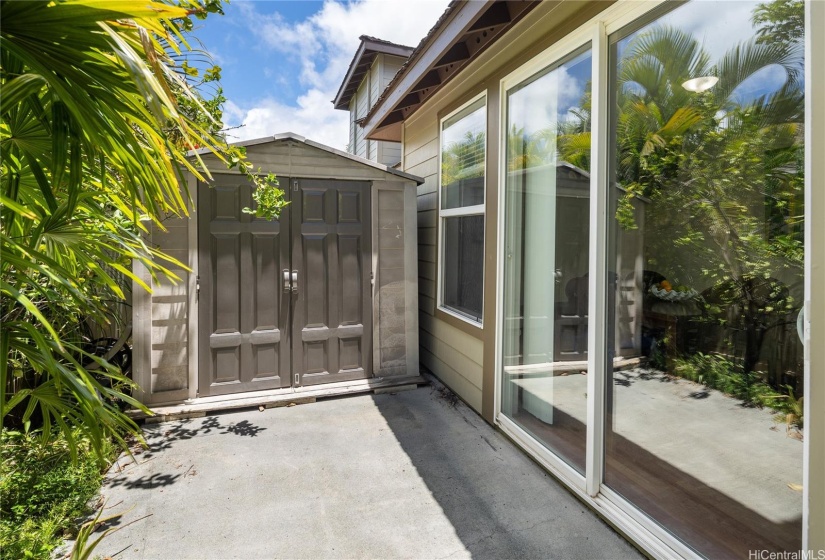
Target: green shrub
[(99, 113), (718, 372), (43, 494)]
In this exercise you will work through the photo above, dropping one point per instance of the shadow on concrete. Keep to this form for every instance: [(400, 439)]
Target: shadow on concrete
[(411, 475), (499, 503), (160, 437), (145, 482), (449, 464)]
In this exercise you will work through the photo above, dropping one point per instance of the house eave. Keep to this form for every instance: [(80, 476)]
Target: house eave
[(369, 48), (464, 31)]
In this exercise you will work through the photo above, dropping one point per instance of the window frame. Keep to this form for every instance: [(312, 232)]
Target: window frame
[(464, 211)]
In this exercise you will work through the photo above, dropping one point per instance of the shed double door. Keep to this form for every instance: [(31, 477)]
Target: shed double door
[(286, 302)]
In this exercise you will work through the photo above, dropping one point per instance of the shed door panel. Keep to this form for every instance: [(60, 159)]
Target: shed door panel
[(332, 328), (244, 313)]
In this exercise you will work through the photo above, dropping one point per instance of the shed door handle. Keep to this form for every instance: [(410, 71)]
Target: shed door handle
[(287, 281), (294, 278)]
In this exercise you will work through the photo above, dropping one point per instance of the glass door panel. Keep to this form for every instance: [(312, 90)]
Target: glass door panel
[(546, 246), (704, 385)]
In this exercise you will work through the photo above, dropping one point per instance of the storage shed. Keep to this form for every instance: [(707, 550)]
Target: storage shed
[(325, 296)]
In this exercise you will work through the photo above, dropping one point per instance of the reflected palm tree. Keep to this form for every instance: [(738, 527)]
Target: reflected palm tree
[(527, 150), (714, 165), (463, 159)]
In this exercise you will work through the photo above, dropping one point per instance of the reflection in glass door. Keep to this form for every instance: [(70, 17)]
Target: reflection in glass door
[(546, 244), (707, 251)]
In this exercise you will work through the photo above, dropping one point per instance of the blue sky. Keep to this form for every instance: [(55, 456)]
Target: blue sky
[(284, 60)]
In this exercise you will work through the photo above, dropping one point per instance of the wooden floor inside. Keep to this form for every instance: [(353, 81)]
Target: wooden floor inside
[(706, 518)]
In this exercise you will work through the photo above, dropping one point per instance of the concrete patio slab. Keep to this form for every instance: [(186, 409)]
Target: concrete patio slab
[(408, 475)]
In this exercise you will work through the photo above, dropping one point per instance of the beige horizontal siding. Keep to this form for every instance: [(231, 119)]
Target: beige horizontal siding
[(421, 154), (421, 133), (427, 198), (374, 79), (426, 270), (427, 253), (427, 236), (452, 354), (464, 344), (426, 288), (452, 378), (389, 153), (426, 304), (361, 109), (427, 169), (426, 218), (389, 66), (458, 350), (427, 204), (352, 127)]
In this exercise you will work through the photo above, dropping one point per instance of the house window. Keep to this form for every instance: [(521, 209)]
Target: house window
[(461, 193)]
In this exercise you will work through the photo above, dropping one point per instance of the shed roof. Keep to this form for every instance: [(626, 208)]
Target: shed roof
[(464, 31), (370, 48), (328, 162)]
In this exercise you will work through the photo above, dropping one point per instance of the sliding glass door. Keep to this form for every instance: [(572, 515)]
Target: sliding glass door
[(691, 424), (706, 222), (546, 240)]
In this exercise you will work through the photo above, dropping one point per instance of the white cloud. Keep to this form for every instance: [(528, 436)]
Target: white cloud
[(718, 26), (323, 45), (309, 117), (544, 102)]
